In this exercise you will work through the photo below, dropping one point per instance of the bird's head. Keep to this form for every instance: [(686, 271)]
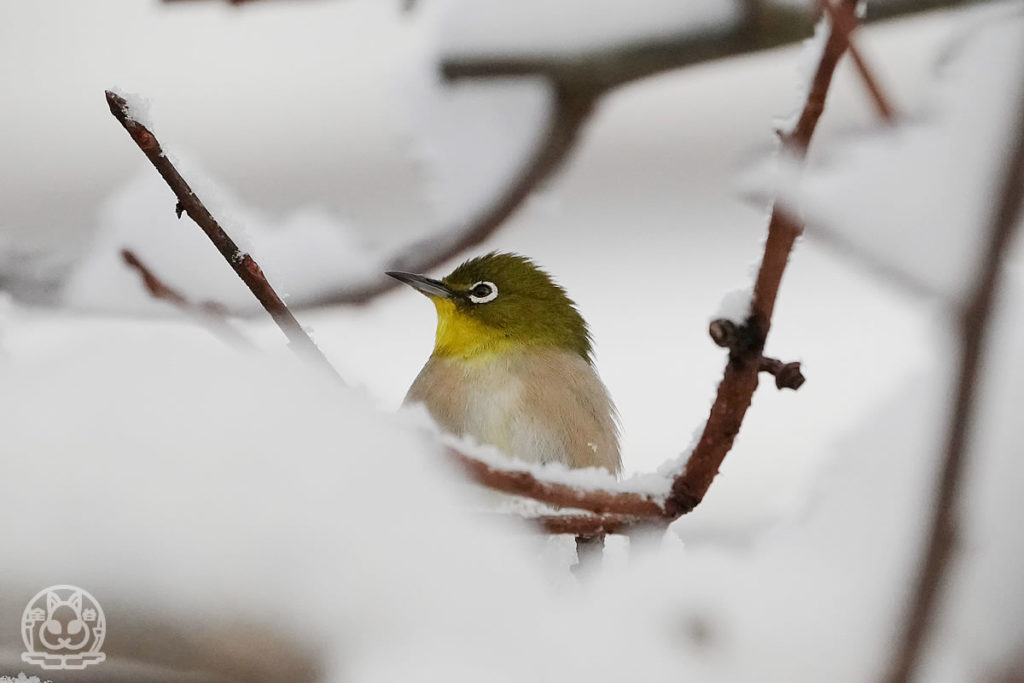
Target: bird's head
[(500, 302)]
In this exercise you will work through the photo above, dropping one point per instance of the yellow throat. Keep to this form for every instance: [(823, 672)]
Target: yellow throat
[(461, 336)]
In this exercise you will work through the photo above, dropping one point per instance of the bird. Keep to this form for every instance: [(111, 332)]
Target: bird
[(513, 365)]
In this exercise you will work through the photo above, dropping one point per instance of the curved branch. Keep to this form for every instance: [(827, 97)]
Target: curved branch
[(572, 107), (243, 264), (521, 483)]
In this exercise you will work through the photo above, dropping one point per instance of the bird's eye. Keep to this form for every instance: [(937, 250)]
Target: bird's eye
[(482, 292)]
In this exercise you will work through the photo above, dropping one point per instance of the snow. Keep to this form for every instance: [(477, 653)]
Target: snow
[(298, 252), (810, 55), (735, 306), (915, 199), (573, 26), (655, 485), (295, 496), (137, 106)]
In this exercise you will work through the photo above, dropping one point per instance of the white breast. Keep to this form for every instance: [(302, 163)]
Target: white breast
[(538, 406)]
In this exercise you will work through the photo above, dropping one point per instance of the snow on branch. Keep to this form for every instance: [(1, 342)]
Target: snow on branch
[(848, 24), (242, 263)]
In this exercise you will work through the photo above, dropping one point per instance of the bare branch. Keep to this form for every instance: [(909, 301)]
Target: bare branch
[(740, 380), (787, 375), (740, 338), (207, 313), (765, 25), (848, 25), (243, 264), (521, 483), (572, 107), (974, 323)]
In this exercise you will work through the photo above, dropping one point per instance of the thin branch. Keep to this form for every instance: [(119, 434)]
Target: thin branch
[(765, 25), (522, 483), (787, 375), (571, 108), (739, 338), (740, 379), (243, 264), (208, 313), (974, 324), (848, 25)]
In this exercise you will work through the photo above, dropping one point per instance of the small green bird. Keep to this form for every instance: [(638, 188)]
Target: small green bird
[(512, 365)]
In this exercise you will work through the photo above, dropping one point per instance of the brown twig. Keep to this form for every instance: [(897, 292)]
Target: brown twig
[(209, 314), (591, 525), (974, 323), (521, 483), (740, 379), (739, 339), (572, 106), (787, 375), (242, 263), (848, 25)]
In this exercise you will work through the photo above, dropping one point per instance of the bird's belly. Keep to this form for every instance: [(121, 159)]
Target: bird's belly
[(488, 402)]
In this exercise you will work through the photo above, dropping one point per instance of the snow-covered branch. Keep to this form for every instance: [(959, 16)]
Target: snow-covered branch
[(242, 263)]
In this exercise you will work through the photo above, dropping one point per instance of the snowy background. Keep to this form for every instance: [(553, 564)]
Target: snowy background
[(237, 515)]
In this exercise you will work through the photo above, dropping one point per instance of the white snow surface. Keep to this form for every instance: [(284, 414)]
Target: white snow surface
[(810, 55), (138, 106), (735, 305), (299, 253)]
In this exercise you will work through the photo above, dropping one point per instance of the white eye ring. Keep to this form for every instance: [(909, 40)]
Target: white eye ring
[(490, 296)]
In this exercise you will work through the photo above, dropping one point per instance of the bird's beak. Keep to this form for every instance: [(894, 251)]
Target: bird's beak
[(424, 284)]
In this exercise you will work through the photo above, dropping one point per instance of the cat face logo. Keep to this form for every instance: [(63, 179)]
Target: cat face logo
[(63, 628)]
